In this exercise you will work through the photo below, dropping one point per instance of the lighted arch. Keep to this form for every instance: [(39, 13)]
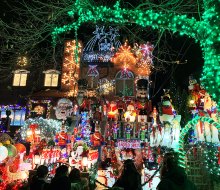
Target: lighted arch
[(205, 31), (191, 125)]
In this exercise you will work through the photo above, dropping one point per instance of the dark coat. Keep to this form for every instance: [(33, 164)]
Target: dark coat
[(175, 179), (60, 183), (39, 184)]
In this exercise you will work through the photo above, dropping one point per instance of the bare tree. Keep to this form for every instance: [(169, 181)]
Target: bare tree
[(26, 28)]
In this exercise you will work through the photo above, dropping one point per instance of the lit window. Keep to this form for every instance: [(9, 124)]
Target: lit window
[(51, 78), (20, 77)]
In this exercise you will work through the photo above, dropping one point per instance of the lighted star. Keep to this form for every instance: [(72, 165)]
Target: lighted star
[(113, 33), (99, 31)]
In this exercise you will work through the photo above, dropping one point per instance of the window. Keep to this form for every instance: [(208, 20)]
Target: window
[(20, 77), (124, 83), (51, 78)]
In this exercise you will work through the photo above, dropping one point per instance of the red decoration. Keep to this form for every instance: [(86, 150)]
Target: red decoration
[(96, 139), (20, 148), (62, 138)]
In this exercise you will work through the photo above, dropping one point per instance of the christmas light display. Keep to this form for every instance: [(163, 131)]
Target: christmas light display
[(105, 86), (102, 46), (144, 58), (33, 104), (22, 61), (189, 125), (124, 56), (212, 159), (48, 127), (70, 68), (205, 30)]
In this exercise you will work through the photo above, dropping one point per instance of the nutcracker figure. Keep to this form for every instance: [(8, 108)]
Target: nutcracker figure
[(115, 130), (143, 131), (128, 131), (62, 137), (97, 138)]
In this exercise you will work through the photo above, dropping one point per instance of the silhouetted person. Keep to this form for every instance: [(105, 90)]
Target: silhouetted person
[(77, 182), (60, 180), (38, 181), (173, 177), (130, 178)]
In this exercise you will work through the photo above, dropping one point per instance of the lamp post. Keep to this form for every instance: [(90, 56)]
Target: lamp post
[(84, 163), (37, 160)]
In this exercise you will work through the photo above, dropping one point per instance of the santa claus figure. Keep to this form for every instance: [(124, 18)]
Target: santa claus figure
[(64, 108)]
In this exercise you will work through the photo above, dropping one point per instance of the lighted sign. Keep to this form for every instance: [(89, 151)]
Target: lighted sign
[(102, 46), (132, 143)]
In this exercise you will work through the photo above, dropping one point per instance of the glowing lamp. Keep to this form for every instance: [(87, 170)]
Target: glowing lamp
[(192, 102), (37, 132), (37, 159), (4, 152), (29, 132), (84, 161)]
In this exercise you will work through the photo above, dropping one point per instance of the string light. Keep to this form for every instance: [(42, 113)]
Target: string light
[(124, 56), (48, 127), (189, 125), (70, 69), (205, 31), (22, 61)]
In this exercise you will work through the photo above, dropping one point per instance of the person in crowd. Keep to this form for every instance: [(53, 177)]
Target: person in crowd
[(130, 178), (77, 182), (38, 181), (172, 176), (60, 180)]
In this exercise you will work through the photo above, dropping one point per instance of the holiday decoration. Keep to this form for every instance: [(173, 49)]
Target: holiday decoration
[(64, 108), (48, 128), (107, 43), (70, 69), (124, 56), (12, 151), (62, 137), (97, 138), (4, 152)]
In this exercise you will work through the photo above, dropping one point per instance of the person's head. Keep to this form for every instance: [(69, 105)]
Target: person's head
[(61, 171), (42, 171), (169, 163), (74, 175), (129, 166)]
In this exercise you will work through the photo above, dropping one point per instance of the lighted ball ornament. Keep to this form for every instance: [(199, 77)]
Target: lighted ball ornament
[(4, 152), (20, 147), (12, 151)]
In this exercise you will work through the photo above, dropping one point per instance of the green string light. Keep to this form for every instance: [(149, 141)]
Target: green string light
[(184, 132)]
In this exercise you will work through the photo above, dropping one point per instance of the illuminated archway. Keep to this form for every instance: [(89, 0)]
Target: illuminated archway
[(191, 125)]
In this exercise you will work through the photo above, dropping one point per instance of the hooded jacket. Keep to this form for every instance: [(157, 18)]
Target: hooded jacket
[(175, 179)]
